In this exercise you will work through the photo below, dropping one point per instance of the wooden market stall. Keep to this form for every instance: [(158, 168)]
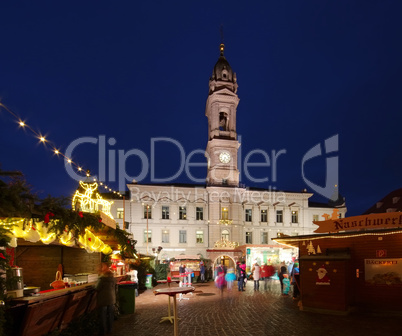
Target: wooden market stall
[(191, 261), (357, 265), (55, 308), (70, 248)]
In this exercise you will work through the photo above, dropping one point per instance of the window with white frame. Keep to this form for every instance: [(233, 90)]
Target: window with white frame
[(279, 216), (295, 216), (182, 212), (264, 237), (165, 236), (148, 234), (182, 236), (248, 215), (199, 237), (147, 211), (264, 216), (120, 213), (165, 212), (199, 213), (249, 237), (225, 235)]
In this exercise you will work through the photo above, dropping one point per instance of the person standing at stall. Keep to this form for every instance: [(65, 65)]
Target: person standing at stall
[(106, 299), (189, 274), (241, 268), (282, 271), (133, 276), (182, 271), (202, 272)]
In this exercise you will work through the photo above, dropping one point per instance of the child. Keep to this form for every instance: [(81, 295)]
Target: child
[(286, 284), (230, 277)]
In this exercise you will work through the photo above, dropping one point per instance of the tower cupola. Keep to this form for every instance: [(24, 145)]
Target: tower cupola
[(222, 74)]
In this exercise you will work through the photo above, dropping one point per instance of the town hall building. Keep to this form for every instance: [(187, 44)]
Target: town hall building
[(221, 220)]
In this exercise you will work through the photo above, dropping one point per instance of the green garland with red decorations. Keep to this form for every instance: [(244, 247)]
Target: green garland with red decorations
[(77, 221), (17, 200)]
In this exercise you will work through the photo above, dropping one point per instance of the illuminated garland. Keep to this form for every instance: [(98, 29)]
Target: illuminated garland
[(223, 243), (338, 236), (32, 231), (225, 221), (42, 139), (87, 203), (49, 220)]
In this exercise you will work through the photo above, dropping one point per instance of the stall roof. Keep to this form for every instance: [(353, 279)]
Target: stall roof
[(294, 240), (187, 257)]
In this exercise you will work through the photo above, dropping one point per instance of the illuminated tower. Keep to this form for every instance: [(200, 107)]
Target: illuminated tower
[(222, 147)]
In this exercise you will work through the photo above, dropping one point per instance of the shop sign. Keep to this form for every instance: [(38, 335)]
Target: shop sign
[(383, 272), (381, 253), (248, 251), (374, 221)]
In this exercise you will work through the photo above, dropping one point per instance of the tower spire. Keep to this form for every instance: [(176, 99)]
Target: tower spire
[(222, 45)]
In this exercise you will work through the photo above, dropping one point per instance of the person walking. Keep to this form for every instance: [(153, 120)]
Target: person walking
[(106, 299), (285, 284), (264, 274), (270, 273), (296, 280), (230, 277), (220, 277), (256, 270)]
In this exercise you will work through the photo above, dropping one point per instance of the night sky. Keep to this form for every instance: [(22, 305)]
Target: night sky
[(134, 71)]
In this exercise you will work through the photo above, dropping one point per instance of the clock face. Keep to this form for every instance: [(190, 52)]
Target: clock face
[(224, 157)]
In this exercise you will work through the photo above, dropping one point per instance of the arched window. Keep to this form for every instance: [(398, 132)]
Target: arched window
[(225, 235), (223, 121)]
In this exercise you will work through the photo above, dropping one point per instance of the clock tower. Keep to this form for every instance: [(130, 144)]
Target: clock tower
[(221, 108)]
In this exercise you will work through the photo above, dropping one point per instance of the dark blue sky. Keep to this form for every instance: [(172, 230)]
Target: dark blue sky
[(132, 71)]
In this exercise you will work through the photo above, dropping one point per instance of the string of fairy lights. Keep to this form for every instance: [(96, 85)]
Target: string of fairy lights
[(338, 236), (56, 151)]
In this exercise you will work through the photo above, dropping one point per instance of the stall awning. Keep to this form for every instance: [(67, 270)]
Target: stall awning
[(294, 241), (187, 257)]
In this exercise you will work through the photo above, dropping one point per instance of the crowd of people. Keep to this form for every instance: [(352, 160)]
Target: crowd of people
[(287, 274)]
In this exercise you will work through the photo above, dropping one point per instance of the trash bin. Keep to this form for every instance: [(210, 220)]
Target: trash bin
[(126, 295), (148, 281)]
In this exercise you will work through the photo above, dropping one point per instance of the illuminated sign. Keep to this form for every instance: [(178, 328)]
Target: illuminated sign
[(390, 220), (86, 202)]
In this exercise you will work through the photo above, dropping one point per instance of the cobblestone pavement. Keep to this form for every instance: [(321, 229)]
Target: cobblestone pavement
[(254, 313)]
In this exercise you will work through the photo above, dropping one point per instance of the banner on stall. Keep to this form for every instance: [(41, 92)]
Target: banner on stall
[(374, 221), (383, 272)]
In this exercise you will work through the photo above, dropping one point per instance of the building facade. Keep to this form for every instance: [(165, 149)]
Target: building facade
[(221, 219)]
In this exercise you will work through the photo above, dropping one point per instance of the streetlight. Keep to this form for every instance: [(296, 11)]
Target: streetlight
[(147, 228)]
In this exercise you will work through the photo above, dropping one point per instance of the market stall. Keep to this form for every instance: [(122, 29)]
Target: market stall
[(59, 254), (357, 265), (191, 261)]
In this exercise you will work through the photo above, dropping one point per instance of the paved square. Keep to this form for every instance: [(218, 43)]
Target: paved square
[(251, 313)]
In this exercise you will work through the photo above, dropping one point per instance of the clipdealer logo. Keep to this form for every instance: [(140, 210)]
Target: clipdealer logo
[(331, 147), (112, 165)]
